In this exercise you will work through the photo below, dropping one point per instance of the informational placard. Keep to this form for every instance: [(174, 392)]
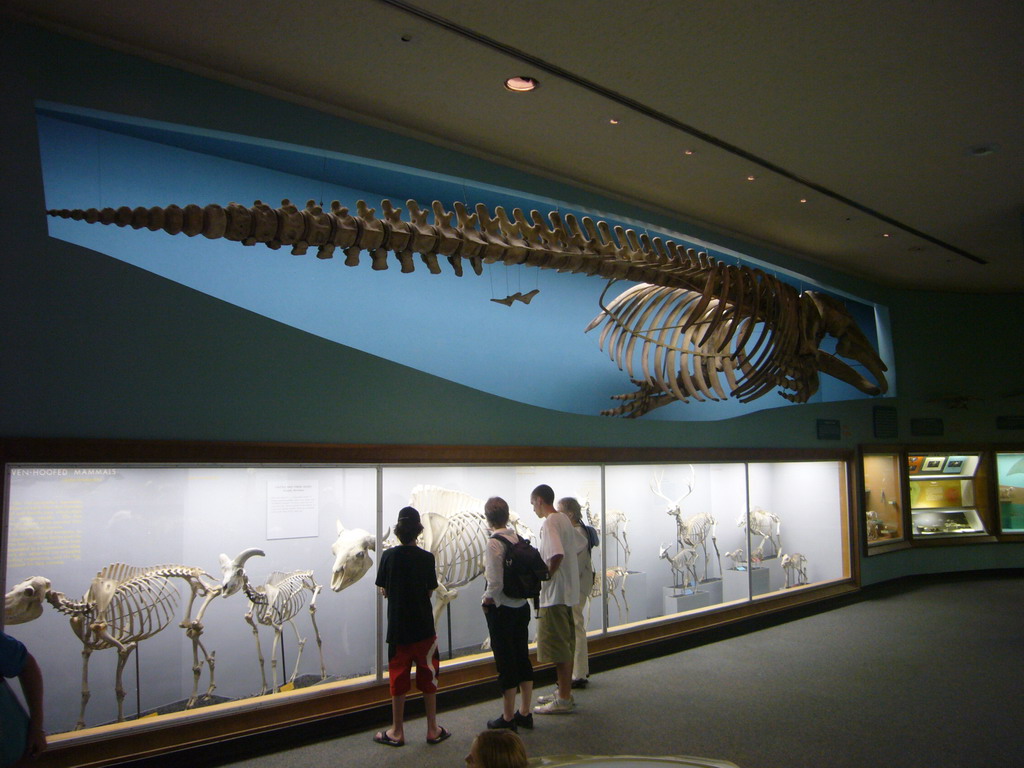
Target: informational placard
[(293, 510), (829, 429)]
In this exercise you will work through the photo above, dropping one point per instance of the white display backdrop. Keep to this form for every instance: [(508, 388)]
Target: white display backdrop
[(67, 523)]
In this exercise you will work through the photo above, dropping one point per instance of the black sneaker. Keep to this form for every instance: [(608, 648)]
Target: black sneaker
[(523, 721), (501, 722), (580, 682)]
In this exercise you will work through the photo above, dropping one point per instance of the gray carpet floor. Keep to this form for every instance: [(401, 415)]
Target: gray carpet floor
[(919, 673)]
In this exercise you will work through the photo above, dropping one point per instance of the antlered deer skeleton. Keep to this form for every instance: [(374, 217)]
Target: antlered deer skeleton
[(695, 327)]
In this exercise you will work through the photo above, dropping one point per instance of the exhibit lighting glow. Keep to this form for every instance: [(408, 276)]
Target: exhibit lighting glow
[(521, 84)]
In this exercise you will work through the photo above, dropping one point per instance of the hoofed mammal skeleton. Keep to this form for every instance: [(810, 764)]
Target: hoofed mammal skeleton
[(684, 566), (615, 586), (125, 605), (455, 531), (768, 526), (274, 603), (691, 532), (694, 327), (795, 568), (616, 521), (738, 558)]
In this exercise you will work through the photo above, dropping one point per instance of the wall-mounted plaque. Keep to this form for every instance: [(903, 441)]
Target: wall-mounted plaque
[(933, 464), (829, 429)]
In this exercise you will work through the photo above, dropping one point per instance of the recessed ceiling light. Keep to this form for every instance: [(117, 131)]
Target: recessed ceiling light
[(521, 84), (688, 152), (751, 177), (613, 121), (886, 234), (803, 199)]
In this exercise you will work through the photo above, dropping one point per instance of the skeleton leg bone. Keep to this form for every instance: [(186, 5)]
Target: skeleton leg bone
[(301, 643), (86, 653), (259, 650), (316, 630)]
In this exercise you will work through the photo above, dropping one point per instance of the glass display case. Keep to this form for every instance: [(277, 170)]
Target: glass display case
[(946, 497), (883, 516), (1010, 478), (201, 588)]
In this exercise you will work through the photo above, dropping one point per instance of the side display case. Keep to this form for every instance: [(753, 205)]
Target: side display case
[(947, 497), (176, 593), (1010, 480), (883, 507)]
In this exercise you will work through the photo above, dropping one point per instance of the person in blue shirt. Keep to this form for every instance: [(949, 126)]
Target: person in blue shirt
[(20, 740)]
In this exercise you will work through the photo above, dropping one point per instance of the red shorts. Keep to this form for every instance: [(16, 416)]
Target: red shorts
[(425, 655)]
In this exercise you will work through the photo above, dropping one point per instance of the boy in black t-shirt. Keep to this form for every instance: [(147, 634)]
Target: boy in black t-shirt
[(406, 576)]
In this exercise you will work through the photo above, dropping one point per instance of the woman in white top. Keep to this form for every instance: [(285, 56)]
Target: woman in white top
[(508, 622), (584, 541)]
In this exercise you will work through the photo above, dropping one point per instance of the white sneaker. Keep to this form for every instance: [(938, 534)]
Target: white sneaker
[(547, 698), (556, 707)]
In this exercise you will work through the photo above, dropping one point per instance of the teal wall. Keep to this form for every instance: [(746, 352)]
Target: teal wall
[(95, 348)]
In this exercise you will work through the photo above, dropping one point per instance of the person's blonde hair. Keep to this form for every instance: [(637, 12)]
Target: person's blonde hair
[(498, 749), (571, 507)]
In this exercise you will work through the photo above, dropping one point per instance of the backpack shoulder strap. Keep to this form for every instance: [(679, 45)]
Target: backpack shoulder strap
[(508, 544)]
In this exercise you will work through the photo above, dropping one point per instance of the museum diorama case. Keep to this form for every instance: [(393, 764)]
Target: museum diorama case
[(947, 497), (1010, 484), (241, 589), (937, 495), (883, 499)]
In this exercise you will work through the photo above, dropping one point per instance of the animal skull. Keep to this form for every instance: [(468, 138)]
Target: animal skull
[(234, 570), (351, 556), (25, 601)]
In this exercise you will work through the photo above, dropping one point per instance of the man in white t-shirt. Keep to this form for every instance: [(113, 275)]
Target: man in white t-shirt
[(556, 638)]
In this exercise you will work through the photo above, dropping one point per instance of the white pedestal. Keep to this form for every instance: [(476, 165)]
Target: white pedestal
[(735, 583), (675, 600)]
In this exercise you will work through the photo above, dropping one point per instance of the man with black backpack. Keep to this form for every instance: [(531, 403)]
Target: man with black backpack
[(508, 616)]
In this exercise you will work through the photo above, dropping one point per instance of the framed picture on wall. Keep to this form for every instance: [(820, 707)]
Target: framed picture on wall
[(933, 464), (914, 464), (954, 465)]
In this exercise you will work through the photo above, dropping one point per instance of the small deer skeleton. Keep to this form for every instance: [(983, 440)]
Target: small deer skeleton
[(684, 566), (738, 558), (691, 532), (696, 327), (616, 522), (274, 603), (766, 525), (615, 586), (795, 568)]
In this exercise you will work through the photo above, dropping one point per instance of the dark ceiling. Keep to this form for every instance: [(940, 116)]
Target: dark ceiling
[(900, 124)]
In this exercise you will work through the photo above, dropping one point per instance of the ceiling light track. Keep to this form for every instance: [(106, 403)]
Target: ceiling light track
[(668, 120)]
